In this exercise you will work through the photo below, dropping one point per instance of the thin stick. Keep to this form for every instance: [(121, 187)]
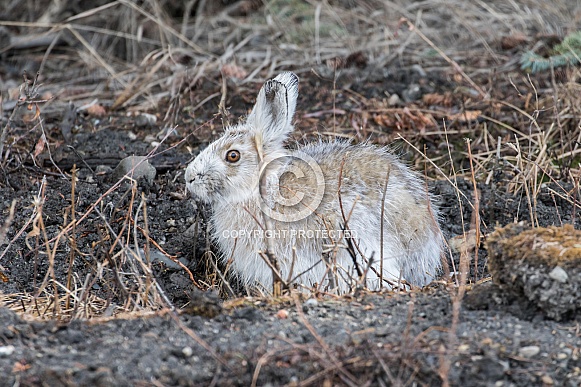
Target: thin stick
[(346, 219), (146, 249), (381, 227), (222, 104), (73, 240), (476, 212), (5, 227), (317, 33)]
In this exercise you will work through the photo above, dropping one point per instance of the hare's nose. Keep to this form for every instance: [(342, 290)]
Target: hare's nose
[(192, 177)]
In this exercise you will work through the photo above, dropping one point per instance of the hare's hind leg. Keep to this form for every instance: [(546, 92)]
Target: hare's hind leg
[(422, 265)]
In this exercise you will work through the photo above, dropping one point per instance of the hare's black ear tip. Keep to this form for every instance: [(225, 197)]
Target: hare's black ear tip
[(288, 78)]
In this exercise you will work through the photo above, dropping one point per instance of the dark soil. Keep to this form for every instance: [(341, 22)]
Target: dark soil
[(369, 338), (361, 339)]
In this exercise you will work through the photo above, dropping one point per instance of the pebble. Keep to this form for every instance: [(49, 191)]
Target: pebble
[(529, 351), (310, 303), (412, 93), (282, 314), (559, 275), (187, 351), (382, 332), (145, 119), (103, 169), (393, 100), (157, 256), (141, 168), (419, 69), (7, 350)]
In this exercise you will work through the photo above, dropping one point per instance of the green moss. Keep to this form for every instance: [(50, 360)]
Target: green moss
[(568, 52), (549, 246)]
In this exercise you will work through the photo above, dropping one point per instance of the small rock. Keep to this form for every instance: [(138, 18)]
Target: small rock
[(102, 169), (559, 275), (546, 379), (96, 110), (187, 351), (562, 356), (412, 93), (419, 69), (282, 314), (145, 119), (529, 351), (7, 350), (157, 256), (150, 138), (137, 167), (310, 304), (166, 132), (393, 100), (382, 332)]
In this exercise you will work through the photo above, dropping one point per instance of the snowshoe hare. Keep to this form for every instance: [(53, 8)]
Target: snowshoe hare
[(329, 213)]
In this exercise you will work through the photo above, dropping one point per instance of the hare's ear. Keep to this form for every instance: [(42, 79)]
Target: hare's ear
[(275, 106)]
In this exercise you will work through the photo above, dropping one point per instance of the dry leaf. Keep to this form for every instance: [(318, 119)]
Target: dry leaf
[(511, 41), (28, 118), (465, 116), (463, 243), (446, 99), (404, 119), (282, 314), (233, 71), (20, 367), (39, 147), (96, 110)]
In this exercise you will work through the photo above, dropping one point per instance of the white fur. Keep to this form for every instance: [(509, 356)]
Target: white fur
[(412, 241)]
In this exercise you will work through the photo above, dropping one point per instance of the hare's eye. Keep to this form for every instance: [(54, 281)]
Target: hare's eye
[(232, 156)]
